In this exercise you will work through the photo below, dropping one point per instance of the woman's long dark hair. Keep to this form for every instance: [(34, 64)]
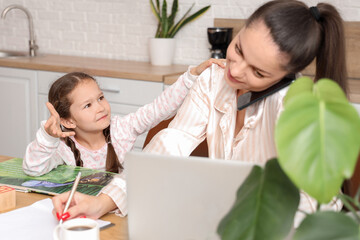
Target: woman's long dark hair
[(304, 37), (58, 97)]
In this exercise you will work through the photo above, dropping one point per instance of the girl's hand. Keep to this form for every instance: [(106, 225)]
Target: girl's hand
[(52, 125), (200, 68), (82, 205)]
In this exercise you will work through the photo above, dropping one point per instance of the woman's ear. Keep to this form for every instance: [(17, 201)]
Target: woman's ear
[(68, 123)]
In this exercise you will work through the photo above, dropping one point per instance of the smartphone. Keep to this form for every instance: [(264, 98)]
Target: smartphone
[(249, 98)]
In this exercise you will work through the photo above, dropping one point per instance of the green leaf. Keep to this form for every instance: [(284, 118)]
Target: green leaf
[(167, 27), (305, 85), (181, 20), (173, 13), (265, 206), (328, 225), (329, 91), (189, 19), (155, 11), (158, 6), (317, 138), (158, 31), (164, 20)]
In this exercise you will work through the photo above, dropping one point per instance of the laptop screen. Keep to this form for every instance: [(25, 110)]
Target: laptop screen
[(180, 197)]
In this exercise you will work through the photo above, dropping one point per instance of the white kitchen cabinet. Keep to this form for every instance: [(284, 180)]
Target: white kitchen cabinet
[(45, 79), (18, 104), (124, 95)]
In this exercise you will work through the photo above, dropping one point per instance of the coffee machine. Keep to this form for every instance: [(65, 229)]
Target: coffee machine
[(219, 38)]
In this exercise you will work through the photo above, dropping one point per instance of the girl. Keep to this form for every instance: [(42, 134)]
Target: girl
[(82, 132)]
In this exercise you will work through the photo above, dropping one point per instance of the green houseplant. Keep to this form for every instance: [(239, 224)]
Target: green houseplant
[(163, 45), (318, 141), (167, 28)]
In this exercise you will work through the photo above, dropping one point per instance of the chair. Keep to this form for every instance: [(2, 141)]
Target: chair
[(351, 186), (200, 151)]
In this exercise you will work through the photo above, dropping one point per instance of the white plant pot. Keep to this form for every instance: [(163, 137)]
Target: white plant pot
[(162, 51)]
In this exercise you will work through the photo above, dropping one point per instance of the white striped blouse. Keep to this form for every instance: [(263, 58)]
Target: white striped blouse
[(209, 111)]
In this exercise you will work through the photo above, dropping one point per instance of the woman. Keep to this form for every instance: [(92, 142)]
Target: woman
[(279, 38)]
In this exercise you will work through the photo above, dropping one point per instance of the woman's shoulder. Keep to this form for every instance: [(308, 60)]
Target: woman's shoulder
[(277, 97), (211, 78), (274, 103), (282, 93)]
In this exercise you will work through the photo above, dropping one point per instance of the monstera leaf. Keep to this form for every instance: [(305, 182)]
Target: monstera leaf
[(328, 225), (318, 137), (265, 206)]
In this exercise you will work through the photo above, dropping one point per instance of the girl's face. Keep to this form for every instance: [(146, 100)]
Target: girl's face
[(90, 111), (253, 61)]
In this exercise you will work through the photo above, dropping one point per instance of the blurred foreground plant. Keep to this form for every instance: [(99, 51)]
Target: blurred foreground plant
[(318, 142)]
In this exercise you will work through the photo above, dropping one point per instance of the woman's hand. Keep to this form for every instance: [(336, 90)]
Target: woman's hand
[(52, 125), (202, 66), (82, 205)]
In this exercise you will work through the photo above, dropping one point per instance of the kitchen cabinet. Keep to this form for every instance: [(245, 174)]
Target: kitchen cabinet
[(18, 104), (126, 96), (45, 79)]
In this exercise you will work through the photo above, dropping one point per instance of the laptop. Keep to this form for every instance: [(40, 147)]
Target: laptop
[(171, 197)]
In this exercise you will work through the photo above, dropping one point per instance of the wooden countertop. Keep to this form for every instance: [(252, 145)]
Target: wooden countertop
[(119, 69), (95, 66)]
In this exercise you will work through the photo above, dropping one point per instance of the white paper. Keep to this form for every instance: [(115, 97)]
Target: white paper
[(33, 222)]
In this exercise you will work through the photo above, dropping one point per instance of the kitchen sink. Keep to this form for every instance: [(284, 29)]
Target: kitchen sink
[(12, 54)]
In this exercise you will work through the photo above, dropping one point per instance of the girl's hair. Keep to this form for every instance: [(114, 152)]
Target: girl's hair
[(58, 97), (305, 35)]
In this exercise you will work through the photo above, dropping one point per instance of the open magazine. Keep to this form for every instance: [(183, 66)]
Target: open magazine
[(57, 181)]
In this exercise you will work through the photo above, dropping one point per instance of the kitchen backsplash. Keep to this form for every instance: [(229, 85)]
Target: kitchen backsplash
[(120, 29)]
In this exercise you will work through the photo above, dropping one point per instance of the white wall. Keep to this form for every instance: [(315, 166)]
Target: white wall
[(119, 29)]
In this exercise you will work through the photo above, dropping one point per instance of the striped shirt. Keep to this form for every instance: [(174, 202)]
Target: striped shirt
[(209, 111), (46, 152)]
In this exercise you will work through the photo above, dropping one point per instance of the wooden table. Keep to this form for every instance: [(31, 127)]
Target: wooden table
[(117, 232)]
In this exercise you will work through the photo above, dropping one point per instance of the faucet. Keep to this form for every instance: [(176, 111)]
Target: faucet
[(32, 44)]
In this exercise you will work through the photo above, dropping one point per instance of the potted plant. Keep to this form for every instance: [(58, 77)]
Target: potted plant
[(318, 142), (162, 47)]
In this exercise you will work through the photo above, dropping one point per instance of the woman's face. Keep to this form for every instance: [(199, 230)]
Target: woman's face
[(253, 61)]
